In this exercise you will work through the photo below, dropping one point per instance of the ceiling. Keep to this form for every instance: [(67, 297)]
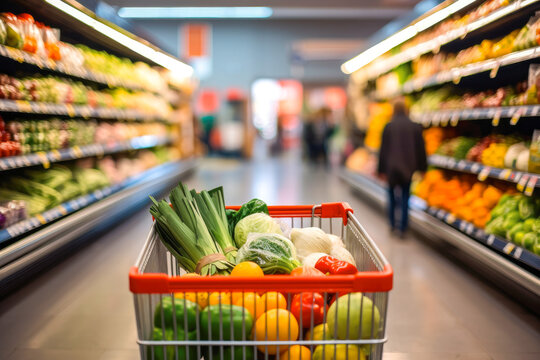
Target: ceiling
[(297, 9)]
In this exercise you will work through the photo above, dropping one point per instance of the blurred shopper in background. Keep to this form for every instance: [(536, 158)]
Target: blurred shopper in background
[(317, 133), (402, 153)]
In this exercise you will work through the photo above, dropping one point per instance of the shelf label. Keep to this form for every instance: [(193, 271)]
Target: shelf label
[(450, 218), (517, 115), (484, 173), (518, 252), (493, 72), (41, 219), (496, 118), (43, 159), (470, 229), (62, 210), (462, 225), (505, 174), (475, 167), (456, 78), (507, 249), (535, 110), (529, 189), (490, 239), (70, 110), (451, 162), (77, 151), (23, 106), (455, 118), (461, 165), (522, 182), (56, 154)]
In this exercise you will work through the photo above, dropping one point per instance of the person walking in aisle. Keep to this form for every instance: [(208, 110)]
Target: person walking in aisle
[(402, 153)]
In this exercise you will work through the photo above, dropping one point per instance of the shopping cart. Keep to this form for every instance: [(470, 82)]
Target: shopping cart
[(169, 327)]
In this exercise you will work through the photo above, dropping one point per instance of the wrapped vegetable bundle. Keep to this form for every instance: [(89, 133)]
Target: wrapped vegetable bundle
[(274, 253)]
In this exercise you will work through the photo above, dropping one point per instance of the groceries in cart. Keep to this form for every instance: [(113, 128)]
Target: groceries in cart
[(246, 317)]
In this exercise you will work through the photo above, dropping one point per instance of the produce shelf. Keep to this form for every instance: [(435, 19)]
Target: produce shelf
[(82, 215), (78, 152), (494, 242), (452, 116), (32, 107), (435, 44), (59, 67), (455, 74), (527, 181), (487, 250)]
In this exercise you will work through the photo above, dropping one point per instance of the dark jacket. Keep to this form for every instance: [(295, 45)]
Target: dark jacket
[(402, 150)]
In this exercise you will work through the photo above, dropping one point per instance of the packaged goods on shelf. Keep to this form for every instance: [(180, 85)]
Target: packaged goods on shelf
[(12, 212)]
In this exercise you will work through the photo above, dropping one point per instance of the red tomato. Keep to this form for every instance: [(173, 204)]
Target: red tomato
[(308, 306)]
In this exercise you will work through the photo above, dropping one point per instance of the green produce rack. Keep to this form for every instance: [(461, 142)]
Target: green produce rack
[(45, 158), (85, 111), (78, 217), (526, 181), (512, 262)]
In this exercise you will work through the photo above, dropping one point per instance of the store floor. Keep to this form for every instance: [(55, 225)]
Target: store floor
[(82, 308)]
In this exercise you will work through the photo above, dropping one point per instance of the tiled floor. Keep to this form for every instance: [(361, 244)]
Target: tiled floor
[(82, 308)]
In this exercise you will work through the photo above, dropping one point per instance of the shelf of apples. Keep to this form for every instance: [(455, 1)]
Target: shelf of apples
[(25, 40), (53, 90), (33, 197), (22, 137), (448, 30), (432, 69)]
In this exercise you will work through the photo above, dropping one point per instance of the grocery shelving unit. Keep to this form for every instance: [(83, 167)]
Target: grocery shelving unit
[(31, 242), (504, 258)]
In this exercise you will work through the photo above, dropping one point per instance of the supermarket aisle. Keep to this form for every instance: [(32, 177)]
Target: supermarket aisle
[(82, 308)]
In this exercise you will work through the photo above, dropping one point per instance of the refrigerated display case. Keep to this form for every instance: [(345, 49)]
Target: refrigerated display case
[(470, 77), (92, 119)]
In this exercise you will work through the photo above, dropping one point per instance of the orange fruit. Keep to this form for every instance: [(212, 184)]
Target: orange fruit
[(216, 298), (251, 301), (296, 352), (275, 325), (247, 268), (273, 300)]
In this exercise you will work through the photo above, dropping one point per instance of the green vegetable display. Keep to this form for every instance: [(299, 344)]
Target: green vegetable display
[(226, 322), (255, 223), (526, 208), (274, 253), (253, 206)]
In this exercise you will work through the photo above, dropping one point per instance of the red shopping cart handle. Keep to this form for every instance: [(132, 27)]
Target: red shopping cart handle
[(159, 283)]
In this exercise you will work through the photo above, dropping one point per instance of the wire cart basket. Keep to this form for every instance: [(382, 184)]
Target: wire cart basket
[(187, 318)]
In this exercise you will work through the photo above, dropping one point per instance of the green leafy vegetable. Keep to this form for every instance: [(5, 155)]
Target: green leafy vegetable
[(255, 223), (253, 206), (274, 253)]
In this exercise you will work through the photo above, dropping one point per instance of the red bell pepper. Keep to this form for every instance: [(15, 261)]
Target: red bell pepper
[(329, 264), (310, 305)]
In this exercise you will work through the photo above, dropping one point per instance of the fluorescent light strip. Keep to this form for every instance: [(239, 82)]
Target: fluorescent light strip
[(158, 57), (401, 36), (246, 12)]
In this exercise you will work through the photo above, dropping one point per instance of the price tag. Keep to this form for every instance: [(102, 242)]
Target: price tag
[(77, 151), (70, 110), (450, 219), (456, 78), (41, 219), (475, 167), (462, 225), (451, 163), (507, 249), (515, 118), (505, 174), (484, 173), (535, 110), (56, 154), (461, 165), (62, 210), (23, 106), (496, 118), (479, 234), (436, 119), (531, 184), (455, 118), (43, 159), (493, 72), (426, 121), (490, 239), (444, 119), (470, 229), (518, 252), (522, 182)]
